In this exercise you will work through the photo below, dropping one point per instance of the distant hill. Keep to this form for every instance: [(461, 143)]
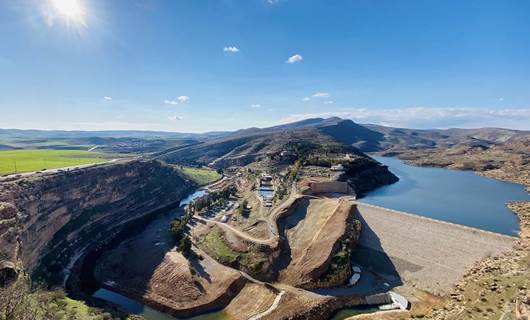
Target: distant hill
[(65, 134), (244, 146), (247, 145), (418, 139), (254, 142)]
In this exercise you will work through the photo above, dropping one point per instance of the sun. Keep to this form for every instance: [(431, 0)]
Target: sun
[(71, 10)]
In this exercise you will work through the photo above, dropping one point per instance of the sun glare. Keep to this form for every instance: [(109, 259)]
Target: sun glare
[(72, 10)]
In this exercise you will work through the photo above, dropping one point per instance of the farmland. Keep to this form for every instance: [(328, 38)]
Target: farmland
[(201, 176), (32, 160)]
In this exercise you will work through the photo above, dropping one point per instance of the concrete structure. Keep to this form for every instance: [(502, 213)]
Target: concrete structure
[(425, 253), (338, 167), (330, 187), (265, 189)]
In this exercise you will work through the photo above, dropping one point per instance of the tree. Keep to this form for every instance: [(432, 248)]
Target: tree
[(185, 246), (242, 207), (294, 169)]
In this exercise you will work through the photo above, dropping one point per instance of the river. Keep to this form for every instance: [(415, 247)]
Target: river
[(154, 239), (457, 196)]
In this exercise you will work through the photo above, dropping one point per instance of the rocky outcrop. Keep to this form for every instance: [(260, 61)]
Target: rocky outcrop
[(47, 220), (365, 174)]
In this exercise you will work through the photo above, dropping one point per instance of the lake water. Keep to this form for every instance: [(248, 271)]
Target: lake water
[(461, 197)]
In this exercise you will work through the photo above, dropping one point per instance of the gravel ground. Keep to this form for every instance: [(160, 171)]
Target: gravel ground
[(425, 253)]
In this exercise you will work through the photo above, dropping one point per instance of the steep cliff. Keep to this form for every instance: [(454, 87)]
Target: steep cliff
[(47, 220)]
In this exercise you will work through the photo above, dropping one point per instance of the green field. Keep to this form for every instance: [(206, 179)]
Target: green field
[(12, 161), (202, 176), (215, 246)]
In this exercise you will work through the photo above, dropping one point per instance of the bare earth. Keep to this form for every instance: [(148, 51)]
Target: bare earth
[(313, 238)]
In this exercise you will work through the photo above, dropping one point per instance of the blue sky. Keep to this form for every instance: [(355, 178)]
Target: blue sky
[(200, 65)]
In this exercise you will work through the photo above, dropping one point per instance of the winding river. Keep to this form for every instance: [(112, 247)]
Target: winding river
[(157, 238)]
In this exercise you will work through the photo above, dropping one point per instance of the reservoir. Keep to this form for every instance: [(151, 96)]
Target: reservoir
[(456, 196)]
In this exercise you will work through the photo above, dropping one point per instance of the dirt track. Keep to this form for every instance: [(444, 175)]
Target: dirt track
[(428, 254)]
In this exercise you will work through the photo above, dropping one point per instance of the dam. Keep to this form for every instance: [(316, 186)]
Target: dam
[(429, 254)]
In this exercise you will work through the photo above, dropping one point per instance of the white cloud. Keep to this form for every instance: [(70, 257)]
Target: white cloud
[(328, 102), (174, 118), (172, 102), (232, 49), (183, 99), (273, 1), (295, 58), (255, 106), (320, 95), (501, 99), (426, 117), (306, 99), (107, 98)]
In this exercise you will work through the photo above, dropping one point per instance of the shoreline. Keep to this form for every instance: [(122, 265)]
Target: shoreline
[(455, 300)]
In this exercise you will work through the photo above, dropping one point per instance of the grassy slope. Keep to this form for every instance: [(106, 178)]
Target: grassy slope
[(32, 160), (201, 176), (215, 246), (19, 301)]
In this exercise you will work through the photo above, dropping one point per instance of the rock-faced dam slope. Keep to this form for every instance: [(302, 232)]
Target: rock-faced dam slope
[(48, 219), (429, 254)]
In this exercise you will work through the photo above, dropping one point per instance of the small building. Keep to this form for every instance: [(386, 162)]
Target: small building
[(338, 167), (285, 153)]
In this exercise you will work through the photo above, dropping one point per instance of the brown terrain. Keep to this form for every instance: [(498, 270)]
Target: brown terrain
[(313, 238), (289, 259), (46, 220)]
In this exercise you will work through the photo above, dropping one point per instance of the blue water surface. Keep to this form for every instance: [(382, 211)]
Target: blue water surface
[(456, 196)]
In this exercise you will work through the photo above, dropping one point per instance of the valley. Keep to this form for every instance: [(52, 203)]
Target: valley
[(275, 228)]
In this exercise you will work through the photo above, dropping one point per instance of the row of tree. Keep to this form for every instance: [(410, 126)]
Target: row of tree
[(215, 198), (179, 226)]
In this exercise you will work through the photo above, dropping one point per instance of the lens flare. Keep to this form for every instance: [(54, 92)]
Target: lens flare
[(71, 10)]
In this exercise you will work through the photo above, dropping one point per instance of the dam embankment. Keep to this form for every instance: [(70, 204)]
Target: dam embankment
[(48, 220), (430, 254)]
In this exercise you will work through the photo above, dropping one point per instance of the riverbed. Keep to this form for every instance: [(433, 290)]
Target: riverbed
[(456, 196), (148, 246)]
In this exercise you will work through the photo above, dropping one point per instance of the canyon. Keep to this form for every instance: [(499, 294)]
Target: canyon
[(49, 220)]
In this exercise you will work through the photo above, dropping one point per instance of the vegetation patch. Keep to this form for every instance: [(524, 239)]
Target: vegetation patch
[(14, 161), (218, 198), (20, 301), (201, 176), (340, 262), (213, 243)]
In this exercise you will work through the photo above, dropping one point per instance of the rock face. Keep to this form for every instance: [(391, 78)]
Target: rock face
[(366, 174), (46, 220)]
